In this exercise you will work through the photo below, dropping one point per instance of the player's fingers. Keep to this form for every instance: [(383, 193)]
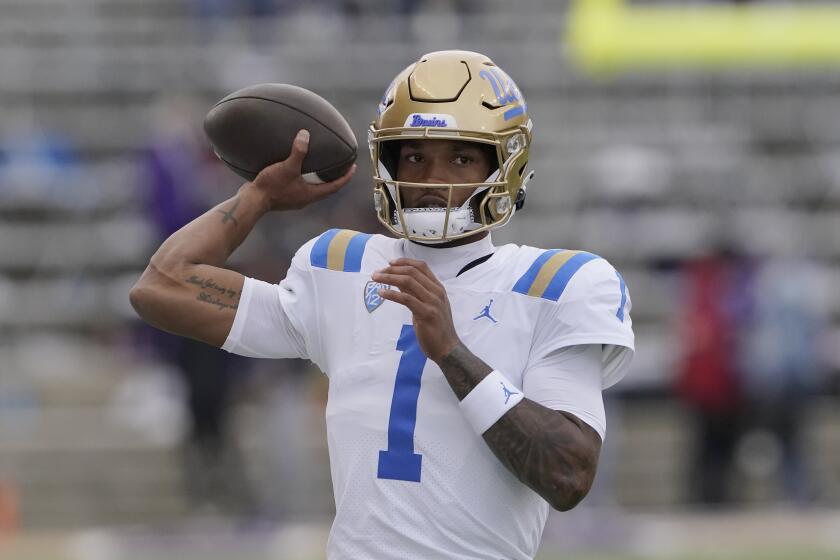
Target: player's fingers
[(406, 284), (419, 265), (424, 275), (300, 147), (414, 305), (428, 283), (323, 190)]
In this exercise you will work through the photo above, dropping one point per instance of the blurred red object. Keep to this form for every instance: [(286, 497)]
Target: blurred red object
[(708, 377), (9, 519)]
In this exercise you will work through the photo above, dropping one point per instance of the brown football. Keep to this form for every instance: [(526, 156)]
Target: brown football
[(254, 127)]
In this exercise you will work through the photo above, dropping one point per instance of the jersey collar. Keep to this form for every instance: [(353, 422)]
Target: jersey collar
[(446, 263)]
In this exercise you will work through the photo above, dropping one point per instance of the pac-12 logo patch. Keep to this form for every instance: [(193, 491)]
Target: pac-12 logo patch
[(372, 297)]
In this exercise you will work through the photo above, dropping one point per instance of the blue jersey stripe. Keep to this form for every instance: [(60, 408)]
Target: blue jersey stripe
[(561, 278), (524, 283), (623, 288), (318, 255), (355, 251)]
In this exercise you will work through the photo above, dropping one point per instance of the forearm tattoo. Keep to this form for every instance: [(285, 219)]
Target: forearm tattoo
[(214, 294), (553, 453), (464, 370), (227, 216)]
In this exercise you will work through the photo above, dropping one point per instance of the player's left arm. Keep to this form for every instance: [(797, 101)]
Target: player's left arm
[(552, 452)]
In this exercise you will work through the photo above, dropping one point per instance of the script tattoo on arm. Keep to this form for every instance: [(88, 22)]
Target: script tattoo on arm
[(214, 294), (552, 452), (208, 298)]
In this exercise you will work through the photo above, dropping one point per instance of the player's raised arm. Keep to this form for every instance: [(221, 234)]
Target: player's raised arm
[(185, 289)]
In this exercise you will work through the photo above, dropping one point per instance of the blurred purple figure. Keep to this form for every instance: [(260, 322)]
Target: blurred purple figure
[(179, 168)]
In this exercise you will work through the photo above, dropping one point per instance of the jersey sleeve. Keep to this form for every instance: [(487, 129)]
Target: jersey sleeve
[(593, 308), (569, 379), (277, 320)]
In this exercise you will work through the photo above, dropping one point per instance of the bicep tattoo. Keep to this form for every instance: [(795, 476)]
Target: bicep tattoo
[(212, 293)]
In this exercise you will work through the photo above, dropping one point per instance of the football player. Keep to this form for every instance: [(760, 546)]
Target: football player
[(465, 379)]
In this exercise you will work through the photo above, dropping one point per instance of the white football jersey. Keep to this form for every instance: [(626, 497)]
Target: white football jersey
[(411, 479)]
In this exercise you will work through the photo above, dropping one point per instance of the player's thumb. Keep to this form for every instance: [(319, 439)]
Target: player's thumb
[(300, 147)]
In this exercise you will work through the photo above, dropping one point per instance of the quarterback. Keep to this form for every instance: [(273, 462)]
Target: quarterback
[(465, 379)]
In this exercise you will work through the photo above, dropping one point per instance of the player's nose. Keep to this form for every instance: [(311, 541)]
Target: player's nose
[(435, 171)]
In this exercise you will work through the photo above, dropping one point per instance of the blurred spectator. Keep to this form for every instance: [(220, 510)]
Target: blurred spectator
[(9, 515), (436, 21), (224, 9), (260, 17), (37, 165), (219, 18), (179, 177), (782, 361), (715, 303)]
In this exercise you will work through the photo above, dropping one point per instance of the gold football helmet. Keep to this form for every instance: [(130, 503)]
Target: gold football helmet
[(461, 96)]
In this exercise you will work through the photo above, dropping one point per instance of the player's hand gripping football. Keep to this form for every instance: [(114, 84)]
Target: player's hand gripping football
[(425, 296), (282, 187)]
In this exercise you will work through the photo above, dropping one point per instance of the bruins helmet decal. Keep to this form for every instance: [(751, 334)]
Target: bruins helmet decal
[(461, 96)]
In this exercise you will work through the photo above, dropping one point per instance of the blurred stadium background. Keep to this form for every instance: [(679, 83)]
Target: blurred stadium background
[(706, 170)]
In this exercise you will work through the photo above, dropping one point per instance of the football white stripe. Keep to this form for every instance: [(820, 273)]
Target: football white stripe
[(312, 178)]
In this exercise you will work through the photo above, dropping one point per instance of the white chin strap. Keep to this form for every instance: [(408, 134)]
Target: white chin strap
[(427, 223)]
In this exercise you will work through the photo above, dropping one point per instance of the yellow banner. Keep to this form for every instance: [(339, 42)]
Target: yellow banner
[(611, 35)]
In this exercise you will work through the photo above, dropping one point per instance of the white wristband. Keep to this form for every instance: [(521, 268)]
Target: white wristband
[(489, 401)]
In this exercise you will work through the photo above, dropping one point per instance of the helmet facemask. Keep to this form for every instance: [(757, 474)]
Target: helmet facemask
[(458, 96), (490, 205)]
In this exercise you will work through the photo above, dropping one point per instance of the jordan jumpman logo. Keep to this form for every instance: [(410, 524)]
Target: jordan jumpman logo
[(508, 393), (485, 313)]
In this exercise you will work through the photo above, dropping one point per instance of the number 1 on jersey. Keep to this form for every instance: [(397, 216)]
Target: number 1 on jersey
[(399, 461)]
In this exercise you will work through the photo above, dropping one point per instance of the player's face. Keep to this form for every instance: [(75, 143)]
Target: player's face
[(440, 161)]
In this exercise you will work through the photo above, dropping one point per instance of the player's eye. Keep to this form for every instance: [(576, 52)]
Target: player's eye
[(462, 160), (414, 158)]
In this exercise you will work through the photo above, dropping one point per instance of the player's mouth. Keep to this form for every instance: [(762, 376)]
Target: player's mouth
[(431, 201)]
